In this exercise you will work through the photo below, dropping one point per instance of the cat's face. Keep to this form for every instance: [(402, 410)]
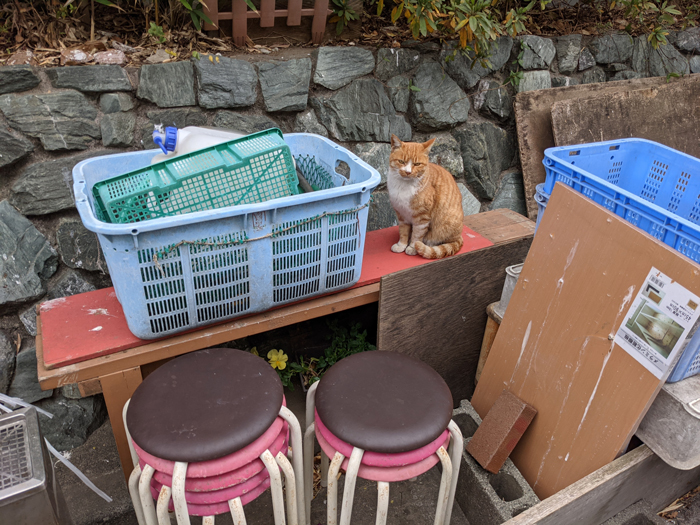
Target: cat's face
[(409, 159)]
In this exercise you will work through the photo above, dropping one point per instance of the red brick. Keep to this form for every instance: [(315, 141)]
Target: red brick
[(500, 431)]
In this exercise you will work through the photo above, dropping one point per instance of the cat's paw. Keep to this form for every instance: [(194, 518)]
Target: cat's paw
[(410, 250), (398, 247)]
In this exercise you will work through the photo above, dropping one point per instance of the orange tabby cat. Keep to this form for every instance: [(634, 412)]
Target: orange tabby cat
[(426, 200)]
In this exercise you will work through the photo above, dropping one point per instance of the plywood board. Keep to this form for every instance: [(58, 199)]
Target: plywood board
[(668, 113), (639, 474), (533, 117), (555, 347), (437, 312)]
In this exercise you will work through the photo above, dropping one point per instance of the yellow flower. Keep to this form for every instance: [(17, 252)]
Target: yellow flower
[(254, 351), (278, 359)]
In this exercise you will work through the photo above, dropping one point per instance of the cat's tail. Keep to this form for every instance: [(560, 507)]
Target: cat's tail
[(439, 251)]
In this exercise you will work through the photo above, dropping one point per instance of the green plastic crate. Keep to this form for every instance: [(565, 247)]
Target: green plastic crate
[(250, 169)]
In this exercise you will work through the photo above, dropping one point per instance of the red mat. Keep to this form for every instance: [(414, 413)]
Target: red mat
[(92, 324)]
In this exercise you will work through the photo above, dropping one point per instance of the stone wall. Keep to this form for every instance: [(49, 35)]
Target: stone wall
[(52, 118)]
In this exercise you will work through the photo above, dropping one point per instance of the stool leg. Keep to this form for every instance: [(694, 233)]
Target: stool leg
[(149, 511), (134, 456), (134, 493), (297, 460), (324, 469), (311, 404), (275, 486), (179, 502), (456, 448), (332, 493), (290, 485), (309, 470), (445, 480), (382, 502), (208, 520), (236, 508), (350, 481), (162, 507)]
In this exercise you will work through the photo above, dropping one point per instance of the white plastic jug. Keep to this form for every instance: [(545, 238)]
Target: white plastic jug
[(176, 142)]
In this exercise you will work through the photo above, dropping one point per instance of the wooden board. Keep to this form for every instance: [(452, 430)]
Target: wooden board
[(533, 117), (92, 324), (554, 348), (668, 114), (639, 474), (437, 312)]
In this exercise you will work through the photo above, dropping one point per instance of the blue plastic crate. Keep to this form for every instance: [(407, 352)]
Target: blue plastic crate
[(176, 273), (541, 199), (651, 186)]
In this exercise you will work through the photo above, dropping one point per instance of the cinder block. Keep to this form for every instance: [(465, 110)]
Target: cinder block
[(500, 431), (486, 498), (640, 513)]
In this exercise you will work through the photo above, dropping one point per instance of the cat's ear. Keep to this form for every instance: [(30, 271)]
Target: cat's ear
[(395, 142), (429, 144)]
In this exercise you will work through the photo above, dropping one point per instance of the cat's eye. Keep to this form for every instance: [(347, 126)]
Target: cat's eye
[(418, 164), (402, 162)]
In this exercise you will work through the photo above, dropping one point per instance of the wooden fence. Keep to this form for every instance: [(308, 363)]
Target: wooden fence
[(240, 13)]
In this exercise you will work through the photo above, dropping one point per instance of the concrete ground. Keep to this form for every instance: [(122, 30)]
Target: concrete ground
[(411, 502)]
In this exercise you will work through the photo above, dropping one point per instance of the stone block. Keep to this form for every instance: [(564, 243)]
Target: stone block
[(13, 148), (487, 498), (74, 419), (374, 117), (70, 283), (63, 120), (694, 63), (657, 62), (399, 91), (118, 129), (585, 60), (225, 82), (612, 48), (534, 80), (47, 187), (307, 122), (17, 78), (285, 85), (689, 40), (338, 66), (28, 319), (167, 85), (564, 81), (90, 79), (79, 247), (462, 68), (438, 102), (395, 61), (376, 154), (593, 75), (500, 431), (7, 362), (538, 52), (446, 152), (510, 194), (179, 118), (29, 262), (243, 123), (381, 213), (487, 151), (568, 51), (115, 102), (470, 204), (493, 99), (626, 75), (25, 383)]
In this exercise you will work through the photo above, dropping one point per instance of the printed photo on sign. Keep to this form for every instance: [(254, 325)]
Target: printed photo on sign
[(657, 323)]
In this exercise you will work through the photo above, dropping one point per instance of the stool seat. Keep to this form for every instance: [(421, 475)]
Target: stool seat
[(384, 402), (204, 405)]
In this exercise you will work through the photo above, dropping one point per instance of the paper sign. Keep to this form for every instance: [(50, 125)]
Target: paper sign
[(657, 323)]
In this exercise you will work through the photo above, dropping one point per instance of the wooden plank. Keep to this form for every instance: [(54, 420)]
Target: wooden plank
[(210, 336), (267, 13), (554, 348), (118, 389), (437, 312), (668, 113), (211, 9), (294, 16), (500, 225), (639, 474), (533, 117), (487, 342), (90, 387)]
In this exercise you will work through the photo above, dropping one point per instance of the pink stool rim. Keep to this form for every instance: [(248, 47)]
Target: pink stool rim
[(228, 479), (216, 467), (378, 459), (388, 474), (215, 509), (220, 496)]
